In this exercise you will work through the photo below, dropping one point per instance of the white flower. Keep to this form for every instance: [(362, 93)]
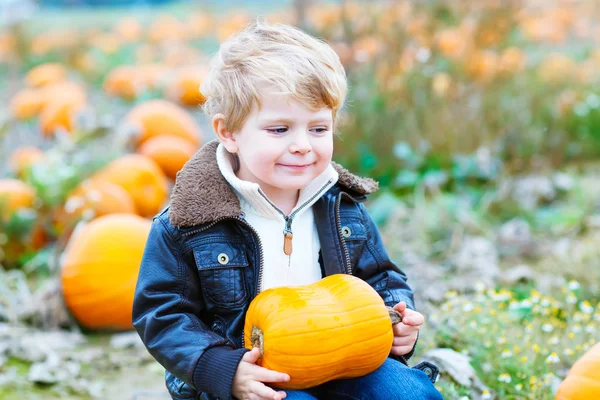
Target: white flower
[(506, 353), (590, 328), (547, 328), (571, 298), (504, 378), (586, 307), (526, 303), (486, 395), (574, 285), (518, 387), (545, 303), (552, 358), (468, 307), (554, 340)]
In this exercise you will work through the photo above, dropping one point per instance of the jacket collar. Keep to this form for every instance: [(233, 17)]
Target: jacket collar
[(201, 194)]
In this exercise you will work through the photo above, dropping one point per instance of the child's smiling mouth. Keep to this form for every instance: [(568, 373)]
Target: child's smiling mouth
[(296, 167)]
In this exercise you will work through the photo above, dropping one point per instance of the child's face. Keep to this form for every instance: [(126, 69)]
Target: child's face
[(284, 145)]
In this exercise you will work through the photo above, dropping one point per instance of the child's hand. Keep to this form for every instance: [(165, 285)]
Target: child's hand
[(249, 377), (405, 333)]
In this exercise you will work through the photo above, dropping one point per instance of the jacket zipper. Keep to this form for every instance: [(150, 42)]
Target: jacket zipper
[(339, 226), (287, 231), (260, 247)]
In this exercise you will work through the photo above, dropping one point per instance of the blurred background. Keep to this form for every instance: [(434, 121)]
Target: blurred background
[(479, 119)]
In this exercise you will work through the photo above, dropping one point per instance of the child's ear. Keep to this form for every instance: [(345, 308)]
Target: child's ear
[(224, 136)]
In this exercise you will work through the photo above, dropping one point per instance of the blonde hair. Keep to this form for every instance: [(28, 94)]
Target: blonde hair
[(274, 56)]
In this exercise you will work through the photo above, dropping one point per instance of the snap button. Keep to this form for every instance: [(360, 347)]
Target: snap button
[(428, 371), (223, 259), (346, 232)]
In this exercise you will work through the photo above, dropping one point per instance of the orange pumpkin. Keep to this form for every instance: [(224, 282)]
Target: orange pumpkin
[(100, 268), (95, 196), (122, 82), (21, 158), (65, 90), (142, 178), (583, 380), (130, 29), (26, 103), (161, 117), (185, 87), (338, 327), (14, 195), (169, 152), (59, 114), (45, 73)]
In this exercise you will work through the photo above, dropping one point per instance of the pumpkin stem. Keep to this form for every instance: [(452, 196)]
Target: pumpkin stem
[(395, 316), (257, 339)]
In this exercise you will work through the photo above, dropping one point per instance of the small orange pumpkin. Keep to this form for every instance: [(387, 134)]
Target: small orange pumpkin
[(583, 380), (95, 196), (185, 87), (170, 153), (44, 74), (142, 178), (26, 103), (162, 117), (65, 90), (14, 195), (21, 158), (338, 327), (100, 268), (59, 114)]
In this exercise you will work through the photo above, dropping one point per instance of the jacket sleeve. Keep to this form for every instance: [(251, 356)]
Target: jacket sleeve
[(165, 314), (376, 268)]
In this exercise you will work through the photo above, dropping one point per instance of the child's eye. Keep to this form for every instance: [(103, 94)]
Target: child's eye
[(277, 130), (321, 130)]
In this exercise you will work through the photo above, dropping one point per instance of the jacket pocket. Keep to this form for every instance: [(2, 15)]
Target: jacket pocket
[(221, 267), (354, 235)]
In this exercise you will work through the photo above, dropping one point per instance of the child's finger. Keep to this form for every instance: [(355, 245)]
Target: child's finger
[(263, 391), (266, 375), (400, 307), (413, 318), (252, 356)]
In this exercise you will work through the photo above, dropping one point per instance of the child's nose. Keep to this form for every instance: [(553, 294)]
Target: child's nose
[(300, 143)]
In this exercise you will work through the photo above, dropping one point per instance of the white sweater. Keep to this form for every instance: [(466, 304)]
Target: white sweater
[(301, 267)]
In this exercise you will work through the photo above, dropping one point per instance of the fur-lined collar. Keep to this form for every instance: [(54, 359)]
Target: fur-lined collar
[(201, 194)]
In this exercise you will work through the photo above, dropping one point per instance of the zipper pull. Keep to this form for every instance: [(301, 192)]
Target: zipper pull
[(287, 243), (287, 237)]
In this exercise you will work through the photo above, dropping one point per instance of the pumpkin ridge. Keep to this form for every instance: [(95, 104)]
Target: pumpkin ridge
[(327, 352), (328, 330), (322, 313), (339, 373)]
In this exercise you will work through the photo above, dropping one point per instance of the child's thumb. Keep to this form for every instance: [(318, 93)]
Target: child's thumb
[(252, 356), (400, 307)]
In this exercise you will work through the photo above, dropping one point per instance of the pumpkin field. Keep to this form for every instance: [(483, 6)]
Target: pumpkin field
[(479, 119)]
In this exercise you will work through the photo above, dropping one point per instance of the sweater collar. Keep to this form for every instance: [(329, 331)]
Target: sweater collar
[(255, 200), (202, 194)]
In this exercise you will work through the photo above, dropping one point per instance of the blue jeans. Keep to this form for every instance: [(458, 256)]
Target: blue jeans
[(392, 381)]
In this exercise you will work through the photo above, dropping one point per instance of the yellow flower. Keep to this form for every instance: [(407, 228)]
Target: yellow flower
[(441, 84)]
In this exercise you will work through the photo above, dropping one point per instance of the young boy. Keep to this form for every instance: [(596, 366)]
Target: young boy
[(264, 206)]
